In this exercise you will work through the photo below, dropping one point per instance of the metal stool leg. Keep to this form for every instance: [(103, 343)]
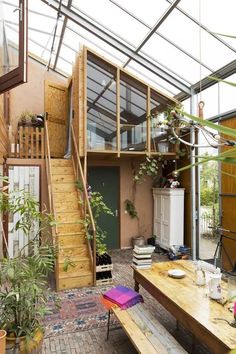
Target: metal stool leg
[(108, 324)]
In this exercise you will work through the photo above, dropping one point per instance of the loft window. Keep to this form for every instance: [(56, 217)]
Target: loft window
[(13, 44)]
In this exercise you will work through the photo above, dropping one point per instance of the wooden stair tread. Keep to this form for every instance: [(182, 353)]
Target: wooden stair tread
[(78, 275), (82, 233), (75, 259), (75, 282), (71, 236), (62, 171)]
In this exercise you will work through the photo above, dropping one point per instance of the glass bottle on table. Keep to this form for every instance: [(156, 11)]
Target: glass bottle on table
[(200, 279)]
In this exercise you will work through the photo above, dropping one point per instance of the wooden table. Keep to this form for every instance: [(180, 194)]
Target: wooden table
[(189, 304)]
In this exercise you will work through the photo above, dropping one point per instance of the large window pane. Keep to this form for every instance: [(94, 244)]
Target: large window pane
[(101, 103), (133, 114)]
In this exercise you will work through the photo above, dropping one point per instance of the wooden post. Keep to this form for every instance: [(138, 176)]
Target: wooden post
[(148, 146), (118, 111)]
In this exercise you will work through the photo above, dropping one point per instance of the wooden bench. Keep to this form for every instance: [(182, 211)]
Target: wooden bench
[(146, 333)]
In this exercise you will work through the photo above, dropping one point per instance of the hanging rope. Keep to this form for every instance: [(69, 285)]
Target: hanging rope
[(201, 103)]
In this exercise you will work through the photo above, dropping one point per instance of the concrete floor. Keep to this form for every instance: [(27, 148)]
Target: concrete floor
[(94, 341)]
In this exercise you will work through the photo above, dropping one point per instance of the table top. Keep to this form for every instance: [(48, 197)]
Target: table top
[(189, 303)]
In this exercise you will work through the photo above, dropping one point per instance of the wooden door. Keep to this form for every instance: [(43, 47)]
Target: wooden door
[(228, 206), (56, 103), (106, 181)]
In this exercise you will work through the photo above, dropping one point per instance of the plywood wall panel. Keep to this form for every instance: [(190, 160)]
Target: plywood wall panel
[(228, 203)]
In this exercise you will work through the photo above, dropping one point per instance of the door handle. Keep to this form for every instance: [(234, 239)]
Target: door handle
[(116, 213)]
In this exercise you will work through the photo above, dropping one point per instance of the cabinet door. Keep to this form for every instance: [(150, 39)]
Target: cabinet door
[(165, 206), (157, 218)]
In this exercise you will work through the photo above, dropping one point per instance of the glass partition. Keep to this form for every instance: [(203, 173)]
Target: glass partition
[(101, 104), (133, 114), (159, 128)]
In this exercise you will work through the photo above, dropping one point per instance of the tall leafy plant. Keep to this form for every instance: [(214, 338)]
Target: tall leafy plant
[(23, 279)]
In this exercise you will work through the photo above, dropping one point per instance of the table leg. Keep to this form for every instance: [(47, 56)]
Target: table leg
[(108, 323), (136, 286), (193, 344), (177, 325)]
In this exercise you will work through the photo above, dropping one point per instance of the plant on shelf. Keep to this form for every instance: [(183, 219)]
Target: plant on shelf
[(23, 279), (26, 118)]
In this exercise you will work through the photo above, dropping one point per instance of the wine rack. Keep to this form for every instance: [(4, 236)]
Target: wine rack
[(104, 268)]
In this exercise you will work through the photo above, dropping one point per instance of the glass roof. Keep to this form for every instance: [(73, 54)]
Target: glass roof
[(170, 44)]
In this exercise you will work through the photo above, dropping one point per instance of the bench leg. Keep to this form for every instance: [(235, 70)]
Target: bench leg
[(136, 286), (108, 324)]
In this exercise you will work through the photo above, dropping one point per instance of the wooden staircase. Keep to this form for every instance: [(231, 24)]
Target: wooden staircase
[(71, 239)]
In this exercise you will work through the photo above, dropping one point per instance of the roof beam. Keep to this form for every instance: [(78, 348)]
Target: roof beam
[(154, 28), (109, 39), (160, 35), (61, 36), (206, 82)]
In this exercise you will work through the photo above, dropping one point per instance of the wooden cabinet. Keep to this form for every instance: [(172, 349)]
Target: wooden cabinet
[(168, 218)]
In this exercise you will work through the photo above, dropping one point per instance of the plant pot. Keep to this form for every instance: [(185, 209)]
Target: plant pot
[(138, 241), (2, 341), (32, 346)]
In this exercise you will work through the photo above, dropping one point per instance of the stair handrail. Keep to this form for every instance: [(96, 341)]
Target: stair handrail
[(89, 209), (49, 174)]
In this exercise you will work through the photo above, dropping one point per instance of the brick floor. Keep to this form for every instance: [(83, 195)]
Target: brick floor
[(94, 341)]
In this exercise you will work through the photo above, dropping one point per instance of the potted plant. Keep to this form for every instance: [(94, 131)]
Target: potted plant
[(23, 279), (23, 298)]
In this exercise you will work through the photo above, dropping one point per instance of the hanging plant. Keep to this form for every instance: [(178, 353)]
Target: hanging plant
[(130, 208), (147, 168)]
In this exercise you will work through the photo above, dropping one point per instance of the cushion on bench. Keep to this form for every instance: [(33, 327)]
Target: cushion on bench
[(146, 333)]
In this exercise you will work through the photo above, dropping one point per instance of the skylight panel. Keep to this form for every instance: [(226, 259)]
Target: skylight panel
[(149, 11), (196, 40), (75, 35), (113, 18), (64, 66), (217, 16), (173, 58)]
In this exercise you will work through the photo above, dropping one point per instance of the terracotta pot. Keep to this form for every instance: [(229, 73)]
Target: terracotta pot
[(32, 346), (2, 341)]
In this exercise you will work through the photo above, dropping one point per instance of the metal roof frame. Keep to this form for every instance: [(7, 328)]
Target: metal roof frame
[(115, 43)]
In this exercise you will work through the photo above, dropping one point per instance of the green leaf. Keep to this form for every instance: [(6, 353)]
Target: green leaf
[(221, 80), (225, 130)]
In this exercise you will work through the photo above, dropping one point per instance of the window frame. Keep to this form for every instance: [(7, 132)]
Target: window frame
[(18, 75)]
